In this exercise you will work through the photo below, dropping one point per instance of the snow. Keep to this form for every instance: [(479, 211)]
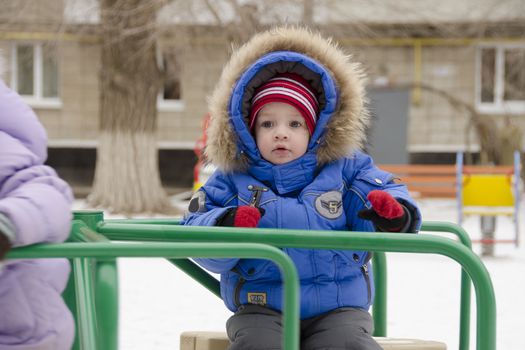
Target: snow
[(158, 302)]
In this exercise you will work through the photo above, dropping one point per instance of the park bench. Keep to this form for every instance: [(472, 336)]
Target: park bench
[(425, 180)]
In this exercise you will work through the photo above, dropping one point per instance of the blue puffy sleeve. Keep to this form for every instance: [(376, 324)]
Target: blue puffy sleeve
[(206, 206), (361, 177)]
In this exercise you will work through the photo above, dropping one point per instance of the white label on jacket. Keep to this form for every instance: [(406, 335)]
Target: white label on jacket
[(257, 298), (330, 204)]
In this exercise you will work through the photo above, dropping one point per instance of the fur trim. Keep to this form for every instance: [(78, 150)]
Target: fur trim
[(345, 131)]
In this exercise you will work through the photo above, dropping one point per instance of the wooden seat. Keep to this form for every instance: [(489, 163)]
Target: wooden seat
[(202, 340)]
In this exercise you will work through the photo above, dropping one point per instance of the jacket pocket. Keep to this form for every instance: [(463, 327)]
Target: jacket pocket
[(252, 269), (376, 179), (354, 257), (248, 270), (237, 292), (366, 275)]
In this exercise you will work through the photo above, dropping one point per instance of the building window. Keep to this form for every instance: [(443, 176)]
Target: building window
[(501, 79), (170, 98), (35, 74)]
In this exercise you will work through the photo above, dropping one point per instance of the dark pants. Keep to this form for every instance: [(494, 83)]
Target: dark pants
[(255, 327)]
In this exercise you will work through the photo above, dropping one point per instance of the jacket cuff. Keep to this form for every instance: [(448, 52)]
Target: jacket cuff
[(413, 217), (408, 223), (7, 228)]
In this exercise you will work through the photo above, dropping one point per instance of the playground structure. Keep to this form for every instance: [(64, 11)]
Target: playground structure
[(92, 293), (484, 191), (488, 192)]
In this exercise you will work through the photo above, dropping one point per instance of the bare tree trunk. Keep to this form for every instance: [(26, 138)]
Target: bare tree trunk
[(127, 177)]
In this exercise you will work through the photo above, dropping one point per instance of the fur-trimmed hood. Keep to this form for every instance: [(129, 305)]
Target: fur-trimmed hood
[(343, 119)]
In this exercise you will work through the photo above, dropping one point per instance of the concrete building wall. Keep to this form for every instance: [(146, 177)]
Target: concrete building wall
[(434, 122), (201, 66), (434, 125), (76, 121), (80, 67)]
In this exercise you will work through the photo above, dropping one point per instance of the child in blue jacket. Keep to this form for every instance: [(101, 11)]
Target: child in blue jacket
[(287, 122)]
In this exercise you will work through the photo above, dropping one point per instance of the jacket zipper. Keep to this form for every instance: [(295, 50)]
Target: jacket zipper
[(366, 275), (237, 292)]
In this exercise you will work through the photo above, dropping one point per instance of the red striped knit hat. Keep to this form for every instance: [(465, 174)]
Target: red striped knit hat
[(287, 88)]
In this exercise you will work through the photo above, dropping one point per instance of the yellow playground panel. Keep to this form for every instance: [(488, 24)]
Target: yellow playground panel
[(489, 191)]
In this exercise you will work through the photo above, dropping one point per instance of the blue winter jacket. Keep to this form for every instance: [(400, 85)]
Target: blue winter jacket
[(322, 190)]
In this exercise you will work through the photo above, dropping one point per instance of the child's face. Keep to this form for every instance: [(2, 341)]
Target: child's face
[(281, 133)]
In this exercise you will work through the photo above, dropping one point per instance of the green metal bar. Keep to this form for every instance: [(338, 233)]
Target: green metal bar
[(70, 298), (87, 326), (198, 274), (379, 307), (104, 276), (441, 226), (158, 221), (93, 218), (181, 250), (380, 278), (80, 232), (213, 285), (464, 311), (81, 279), (106, 296), (486, 323), (89, 217)]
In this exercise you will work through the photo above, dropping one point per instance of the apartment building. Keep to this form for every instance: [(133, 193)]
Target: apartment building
[(421, 58)]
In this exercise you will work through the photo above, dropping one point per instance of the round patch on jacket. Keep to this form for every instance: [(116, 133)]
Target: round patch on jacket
[(197, 202), (330, 204)]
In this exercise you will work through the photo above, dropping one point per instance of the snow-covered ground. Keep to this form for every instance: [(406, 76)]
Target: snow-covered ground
[(158, 302)]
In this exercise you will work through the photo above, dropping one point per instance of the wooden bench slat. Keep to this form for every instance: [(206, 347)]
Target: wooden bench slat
[(433, 191), (432, 169), (479, 169), (409, 179)]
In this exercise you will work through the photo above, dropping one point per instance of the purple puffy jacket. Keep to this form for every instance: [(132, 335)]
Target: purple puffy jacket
[(35, 206)]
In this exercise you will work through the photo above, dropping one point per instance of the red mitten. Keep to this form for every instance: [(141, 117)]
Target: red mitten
[(244, 216), (386, 213), (247, 217)]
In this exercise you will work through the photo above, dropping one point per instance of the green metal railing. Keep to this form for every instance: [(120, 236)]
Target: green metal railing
[(86, 223), (464, 314), (380, 275), (377, 242), (88, 327)]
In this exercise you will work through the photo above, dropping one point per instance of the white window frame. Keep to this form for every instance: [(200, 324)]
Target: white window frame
[(162, 104), (36, 100), (169, 105), (499, 106)]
